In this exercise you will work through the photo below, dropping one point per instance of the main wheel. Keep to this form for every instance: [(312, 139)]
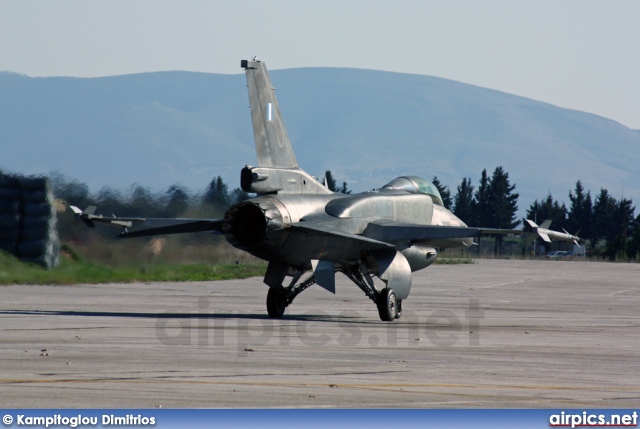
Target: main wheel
[(399, 309), (276, 302), (387, 305)]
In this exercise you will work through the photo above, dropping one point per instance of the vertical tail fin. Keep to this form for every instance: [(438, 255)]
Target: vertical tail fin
[(272, 140), (277, 169)]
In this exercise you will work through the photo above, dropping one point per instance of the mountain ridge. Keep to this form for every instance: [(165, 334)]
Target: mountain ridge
[(366, 126)]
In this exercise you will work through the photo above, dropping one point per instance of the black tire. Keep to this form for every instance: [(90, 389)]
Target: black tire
[(387, 305), (275, 302), (399, 309)]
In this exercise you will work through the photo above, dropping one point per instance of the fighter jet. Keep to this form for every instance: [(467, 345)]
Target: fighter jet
[(308, 233)]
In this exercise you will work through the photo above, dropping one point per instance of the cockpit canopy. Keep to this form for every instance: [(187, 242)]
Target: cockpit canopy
[(415, 185)]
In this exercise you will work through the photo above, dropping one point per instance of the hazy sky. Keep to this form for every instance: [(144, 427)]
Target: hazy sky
[(581, 54)]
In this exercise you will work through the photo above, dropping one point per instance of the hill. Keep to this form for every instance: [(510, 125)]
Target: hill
[(366, 126)]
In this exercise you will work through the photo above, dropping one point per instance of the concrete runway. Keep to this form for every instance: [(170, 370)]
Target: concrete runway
[(494, 334)]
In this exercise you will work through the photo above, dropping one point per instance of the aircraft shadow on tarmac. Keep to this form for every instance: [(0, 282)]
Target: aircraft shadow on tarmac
[(191, 315)]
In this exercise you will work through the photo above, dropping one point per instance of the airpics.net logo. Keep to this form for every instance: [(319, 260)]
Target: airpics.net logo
[(586, 419), (203, 327)]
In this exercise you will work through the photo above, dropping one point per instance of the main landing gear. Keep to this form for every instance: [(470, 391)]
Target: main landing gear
[(389, 306), (279, 297)]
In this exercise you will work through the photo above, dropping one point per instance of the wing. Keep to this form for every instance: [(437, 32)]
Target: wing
[(392, 231), (150, 226), (325, 229)]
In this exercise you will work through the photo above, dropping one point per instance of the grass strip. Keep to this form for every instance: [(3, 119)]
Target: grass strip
[(13, 271)]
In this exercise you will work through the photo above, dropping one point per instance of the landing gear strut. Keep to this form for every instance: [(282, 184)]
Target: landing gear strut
[(279, 297), (389, 305)]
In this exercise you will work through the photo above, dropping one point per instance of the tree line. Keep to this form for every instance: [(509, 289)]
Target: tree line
[(140, 201), (607, 225), (175, 201)]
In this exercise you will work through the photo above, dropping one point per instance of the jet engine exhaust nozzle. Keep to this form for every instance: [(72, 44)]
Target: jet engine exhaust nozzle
[(248, 225)]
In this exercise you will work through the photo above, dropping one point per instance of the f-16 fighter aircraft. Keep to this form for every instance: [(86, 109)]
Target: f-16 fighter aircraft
[(376, 238)]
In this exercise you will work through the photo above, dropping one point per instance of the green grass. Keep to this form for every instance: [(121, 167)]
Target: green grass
[(75, 269), (71, 271)]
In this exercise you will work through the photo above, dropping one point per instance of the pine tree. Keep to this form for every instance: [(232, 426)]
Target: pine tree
[(463, 201), (481, 204), (622, 225), (444, 192), (603, 211), (503, 202), (238, 196), (633, 244), (333, 185), (580, 212), (330, 181), (143, 202), (548, 209), (178, 200), (217, 193), (343, 189)]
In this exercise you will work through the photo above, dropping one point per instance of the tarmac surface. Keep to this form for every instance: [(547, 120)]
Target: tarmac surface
[(494, 334)]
